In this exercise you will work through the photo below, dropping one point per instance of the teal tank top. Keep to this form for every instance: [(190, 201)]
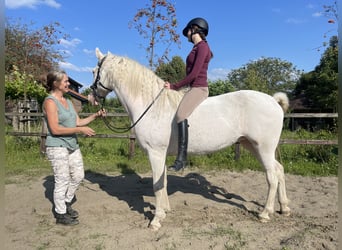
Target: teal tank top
[(66, 118)]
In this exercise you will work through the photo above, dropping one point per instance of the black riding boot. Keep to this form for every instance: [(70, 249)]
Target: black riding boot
[(180, 161)]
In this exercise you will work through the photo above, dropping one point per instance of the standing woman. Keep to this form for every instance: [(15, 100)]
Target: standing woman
[(62, 147), (196, 78)]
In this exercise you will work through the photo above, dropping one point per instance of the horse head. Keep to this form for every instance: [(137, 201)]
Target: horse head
[(99, 90)]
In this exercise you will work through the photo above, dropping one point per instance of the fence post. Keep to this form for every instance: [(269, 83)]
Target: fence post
[(237, 151), (43, 137), (131, 144)]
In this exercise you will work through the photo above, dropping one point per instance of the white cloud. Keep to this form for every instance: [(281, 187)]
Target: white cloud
[(317, 14), (217, 74), (89, 52), (72, 67), (32, 4), (70, 44), (295, 21)]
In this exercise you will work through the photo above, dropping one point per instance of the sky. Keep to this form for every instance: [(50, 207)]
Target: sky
[(239, 31)]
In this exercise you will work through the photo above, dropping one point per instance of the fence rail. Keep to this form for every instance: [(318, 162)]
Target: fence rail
[(132, 137)]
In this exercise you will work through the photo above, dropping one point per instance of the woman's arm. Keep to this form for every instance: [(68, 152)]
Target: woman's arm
[(85, 121), (51, 113)]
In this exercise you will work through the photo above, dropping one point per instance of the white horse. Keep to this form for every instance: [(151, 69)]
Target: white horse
[(252, 118)]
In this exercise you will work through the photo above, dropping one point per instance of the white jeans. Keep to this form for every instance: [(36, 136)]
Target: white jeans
[(68, 173)]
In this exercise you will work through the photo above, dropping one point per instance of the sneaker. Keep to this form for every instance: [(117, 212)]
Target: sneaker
[(66, 219), (73, 213)]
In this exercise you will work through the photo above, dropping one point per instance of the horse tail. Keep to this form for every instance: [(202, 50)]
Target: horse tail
[(282, 100)]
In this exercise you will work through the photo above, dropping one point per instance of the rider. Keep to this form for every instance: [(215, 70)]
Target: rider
[(196, 78)]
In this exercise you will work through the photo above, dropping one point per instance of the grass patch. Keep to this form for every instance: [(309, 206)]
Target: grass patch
[(105, 155), (236, 240)]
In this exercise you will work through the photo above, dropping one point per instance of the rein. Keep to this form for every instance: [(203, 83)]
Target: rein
[(103, 98), (126, 129)]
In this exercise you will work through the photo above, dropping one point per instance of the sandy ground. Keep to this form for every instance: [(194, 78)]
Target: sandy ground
[(215, 210)]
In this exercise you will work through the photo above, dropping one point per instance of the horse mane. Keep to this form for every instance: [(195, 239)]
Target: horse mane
[(141, 81)]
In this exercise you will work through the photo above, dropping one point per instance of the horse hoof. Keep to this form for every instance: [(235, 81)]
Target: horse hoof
[(264, 218), (155, 226), (286, 213)]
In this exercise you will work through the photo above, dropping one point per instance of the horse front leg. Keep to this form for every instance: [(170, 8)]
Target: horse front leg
[(157, 160)]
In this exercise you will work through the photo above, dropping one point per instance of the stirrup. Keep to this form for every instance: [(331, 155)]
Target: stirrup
[(178, 165)]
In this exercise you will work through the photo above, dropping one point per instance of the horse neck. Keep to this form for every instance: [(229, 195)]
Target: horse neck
[(137, 87)]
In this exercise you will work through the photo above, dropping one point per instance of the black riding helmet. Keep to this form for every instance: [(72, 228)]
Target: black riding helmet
[(200, 22)]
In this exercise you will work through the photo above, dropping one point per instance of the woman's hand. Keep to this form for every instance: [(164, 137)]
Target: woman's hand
[(101, 113), (87, 131)]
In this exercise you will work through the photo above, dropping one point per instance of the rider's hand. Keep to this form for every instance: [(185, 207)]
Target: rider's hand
[(167, 85)]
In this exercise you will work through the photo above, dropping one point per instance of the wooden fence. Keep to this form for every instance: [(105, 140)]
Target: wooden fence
[(24, 117)]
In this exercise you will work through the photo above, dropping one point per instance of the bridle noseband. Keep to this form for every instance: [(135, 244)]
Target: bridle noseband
[(98, 81)]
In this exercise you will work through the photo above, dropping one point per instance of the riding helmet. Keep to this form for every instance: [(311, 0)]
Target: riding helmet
[(200, 22)]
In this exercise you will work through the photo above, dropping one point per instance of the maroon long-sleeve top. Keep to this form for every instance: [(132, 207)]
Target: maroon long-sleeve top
[(196, 67)]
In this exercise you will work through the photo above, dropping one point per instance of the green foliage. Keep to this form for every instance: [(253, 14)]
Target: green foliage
[(111, 104), (28, 160), (299, 158), (173, 71), (19, 85), (268, 75), (104, 155), (219, 87), (321, 85), (33, 51)]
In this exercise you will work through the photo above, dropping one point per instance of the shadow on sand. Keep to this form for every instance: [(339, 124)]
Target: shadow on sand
[(131, 188)]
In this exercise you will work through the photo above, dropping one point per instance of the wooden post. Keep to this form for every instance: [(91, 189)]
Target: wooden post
[(131, 144), (237, 151), (43, 137)]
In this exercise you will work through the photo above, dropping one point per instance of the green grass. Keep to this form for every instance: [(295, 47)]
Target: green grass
[(105, 155)]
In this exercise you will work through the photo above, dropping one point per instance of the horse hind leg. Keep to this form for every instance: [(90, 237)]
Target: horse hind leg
[(267, 159), (283, 200)]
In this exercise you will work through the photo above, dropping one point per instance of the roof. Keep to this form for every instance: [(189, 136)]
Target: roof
[(300, 103), (74, 83), (78, 96)]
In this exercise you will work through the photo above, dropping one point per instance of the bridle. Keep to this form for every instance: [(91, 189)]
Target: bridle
[(102, 99), (98, 82)]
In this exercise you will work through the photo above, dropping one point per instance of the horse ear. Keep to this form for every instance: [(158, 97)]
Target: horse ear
[(99, 54)]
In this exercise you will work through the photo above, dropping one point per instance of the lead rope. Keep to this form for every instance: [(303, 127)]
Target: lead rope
[(126, 129)]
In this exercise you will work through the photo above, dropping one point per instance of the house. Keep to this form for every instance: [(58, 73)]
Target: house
[(77, 99), (301, 104)]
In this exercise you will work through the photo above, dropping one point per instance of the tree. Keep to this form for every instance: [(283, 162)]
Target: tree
[(320, 85), (219, 87), (29, 55), (157, 23), (21, 86), (330, 12), (32, 51), (267, 75), (173, 71)]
